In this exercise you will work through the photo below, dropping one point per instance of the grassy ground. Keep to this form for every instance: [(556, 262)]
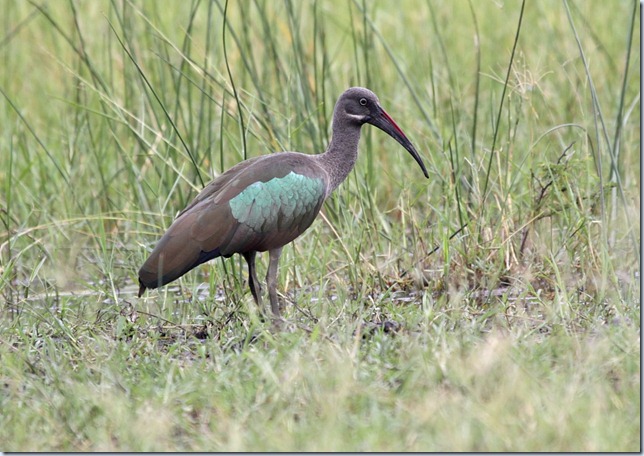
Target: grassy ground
[(519, 333)]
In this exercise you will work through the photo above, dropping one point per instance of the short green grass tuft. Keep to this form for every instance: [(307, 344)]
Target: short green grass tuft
[(493, 307)]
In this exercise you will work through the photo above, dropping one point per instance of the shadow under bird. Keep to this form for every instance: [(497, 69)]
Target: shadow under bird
[(263, 203)]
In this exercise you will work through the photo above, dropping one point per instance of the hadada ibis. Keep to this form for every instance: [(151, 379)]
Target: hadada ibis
[(263, 203)]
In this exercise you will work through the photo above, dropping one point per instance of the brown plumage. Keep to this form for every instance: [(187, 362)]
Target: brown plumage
[(263, 203)]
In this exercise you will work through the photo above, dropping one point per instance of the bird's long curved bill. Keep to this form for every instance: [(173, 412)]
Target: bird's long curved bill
[(384, 121)]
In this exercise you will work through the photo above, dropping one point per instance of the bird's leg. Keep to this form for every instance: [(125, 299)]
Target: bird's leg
[(271, 279), (253, 283)]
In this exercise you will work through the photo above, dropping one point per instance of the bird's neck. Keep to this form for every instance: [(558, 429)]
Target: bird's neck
[(341, 155)]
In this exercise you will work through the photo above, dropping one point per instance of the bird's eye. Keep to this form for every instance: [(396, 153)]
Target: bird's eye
[(363, 101)]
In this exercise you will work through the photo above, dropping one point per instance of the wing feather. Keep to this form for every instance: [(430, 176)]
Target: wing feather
[(258, 205)]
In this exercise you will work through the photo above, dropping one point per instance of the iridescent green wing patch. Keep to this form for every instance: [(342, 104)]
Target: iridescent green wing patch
[(279, 204)]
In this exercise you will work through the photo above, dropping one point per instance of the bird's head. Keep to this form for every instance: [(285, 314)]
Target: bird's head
[(358, 106)]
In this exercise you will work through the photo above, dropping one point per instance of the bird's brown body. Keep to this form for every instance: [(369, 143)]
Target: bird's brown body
[(263, 203)]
